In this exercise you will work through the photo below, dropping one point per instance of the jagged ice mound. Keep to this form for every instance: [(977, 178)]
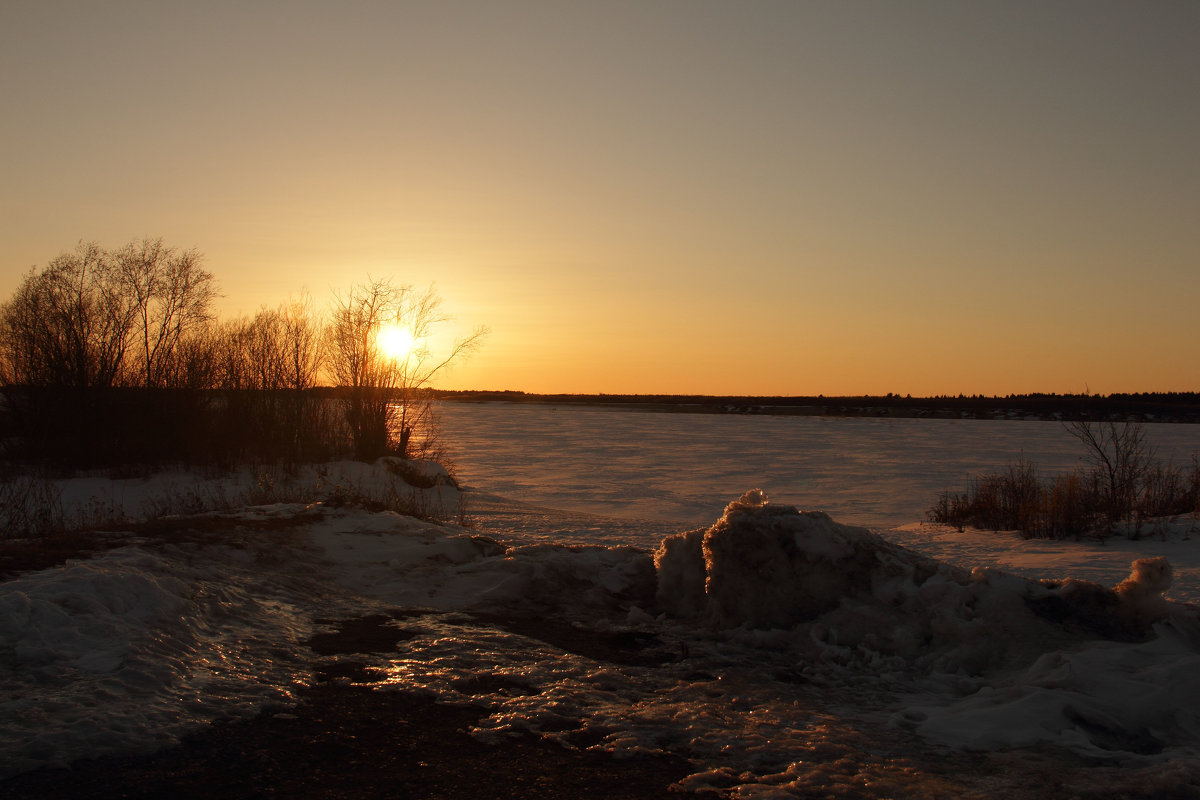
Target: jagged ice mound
[(773, 566)]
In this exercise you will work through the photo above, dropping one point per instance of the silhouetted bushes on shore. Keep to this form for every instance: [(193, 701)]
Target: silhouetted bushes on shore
[(1124, 489), (66, 428), (97, 428)]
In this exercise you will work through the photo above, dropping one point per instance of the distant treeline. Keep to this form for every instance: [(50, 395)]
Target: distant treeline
[(1140, 407)]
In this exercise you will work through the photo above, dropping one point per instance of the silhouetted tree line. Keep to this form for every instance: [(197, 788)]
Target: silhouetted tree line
[(114, 357), (1181, 407)]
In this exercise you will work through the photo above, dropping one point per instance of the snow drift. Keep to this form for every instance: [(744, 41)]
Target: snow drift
[(754, 623), (771, 566), (1103, 671)]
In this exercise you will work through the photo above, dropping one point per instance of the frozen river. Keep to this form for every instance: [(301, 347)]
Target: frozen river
[(684, 468), (798, 658), (632, 477)]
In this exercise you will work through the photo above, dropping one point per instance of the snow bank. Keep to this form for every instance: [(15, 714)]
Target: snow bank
[(766, 565), (1101, 561), (770, 566), (127, 651), (403, 561), (1103, 700), (1112, 671), (423, 486), (808, 643)]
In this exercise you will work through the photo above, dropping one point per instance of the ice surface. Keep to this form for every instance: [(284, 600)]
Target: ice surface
[(783, 652), (663, 473), (683, 468)]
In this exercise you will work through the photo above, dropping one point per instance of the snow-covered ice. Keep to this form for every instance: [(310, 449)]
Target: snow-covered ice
[(782, 650), (682, 468)]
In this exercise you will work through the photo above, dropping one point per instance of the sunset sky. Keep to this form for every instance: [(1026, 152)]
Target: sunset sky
[(652, 197)]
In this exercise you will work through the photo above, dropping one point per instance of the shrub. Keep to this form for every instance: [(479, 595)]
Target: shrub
[(1068, 507), (30, 507), (1123, 488)]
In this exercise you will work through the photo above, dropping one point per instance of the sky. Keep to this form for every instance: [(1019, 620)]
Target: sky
[(773, 198)]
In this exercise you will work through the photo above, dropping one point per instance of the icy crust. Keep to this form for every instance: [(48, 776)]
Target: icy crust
[(770, 598), (770, 566), (1104, 700), (1011, 662), (778, 650), (129, 650), (402, 561)]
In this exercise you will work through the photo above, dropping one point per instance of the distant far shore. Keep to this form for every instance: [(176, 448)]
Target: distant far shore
[(1173, 407)]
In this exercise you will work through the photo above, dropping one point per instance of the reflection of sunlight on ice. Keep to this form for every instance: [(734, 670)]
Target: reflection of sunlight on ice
[(740, 727), (747, 733)]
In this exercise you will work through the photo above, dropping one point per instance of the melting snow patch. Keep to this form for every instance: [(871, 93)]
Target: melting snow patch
[(128, 650), (781, 643)]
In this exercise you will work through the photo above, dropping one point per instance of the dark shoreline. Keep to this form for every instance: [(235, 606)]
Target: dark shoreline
[(348, 736), (1182, 407)]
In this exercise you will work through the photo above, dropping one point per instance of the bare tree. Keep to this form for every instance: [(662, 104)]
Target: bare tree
[(277, 354), (264, 351), (231, 367), (384, 389), (76, 322), (1119, 455), (196, 361), (171, 294), (68, 336), (68, 325), (419, 315), (356, 362), (301, 344)]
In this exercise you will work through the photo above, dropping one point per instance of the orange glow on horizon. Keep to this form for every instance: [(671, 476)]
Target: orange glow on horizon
[(763, 199)]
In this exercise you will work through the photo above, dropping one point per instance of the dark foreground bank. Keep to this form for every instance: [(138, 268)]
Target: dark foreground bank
[(347, 738)]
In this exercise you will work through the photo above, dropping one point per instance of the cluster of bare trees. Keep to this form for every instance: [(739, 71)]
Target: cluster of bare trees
[(116, 355), (387, 401), (101, 318), (1124, 487)]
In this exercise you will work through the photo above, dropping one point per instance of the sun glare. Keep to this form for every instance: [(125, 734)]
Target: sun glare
[(395, 341)]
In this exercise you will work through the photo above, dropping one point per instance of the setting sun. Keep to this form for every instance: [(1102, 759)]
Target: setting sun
[(395, 341), (761, 199)]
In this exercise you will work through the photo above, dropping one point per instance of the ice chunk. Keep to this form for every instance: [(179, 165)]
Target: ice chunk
[(679, 561), (765, 565), (1142, 592)]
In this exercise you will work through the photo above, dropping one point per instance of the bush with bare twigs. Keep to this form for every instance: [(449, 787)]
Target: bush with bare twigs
[(1123, 488)]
